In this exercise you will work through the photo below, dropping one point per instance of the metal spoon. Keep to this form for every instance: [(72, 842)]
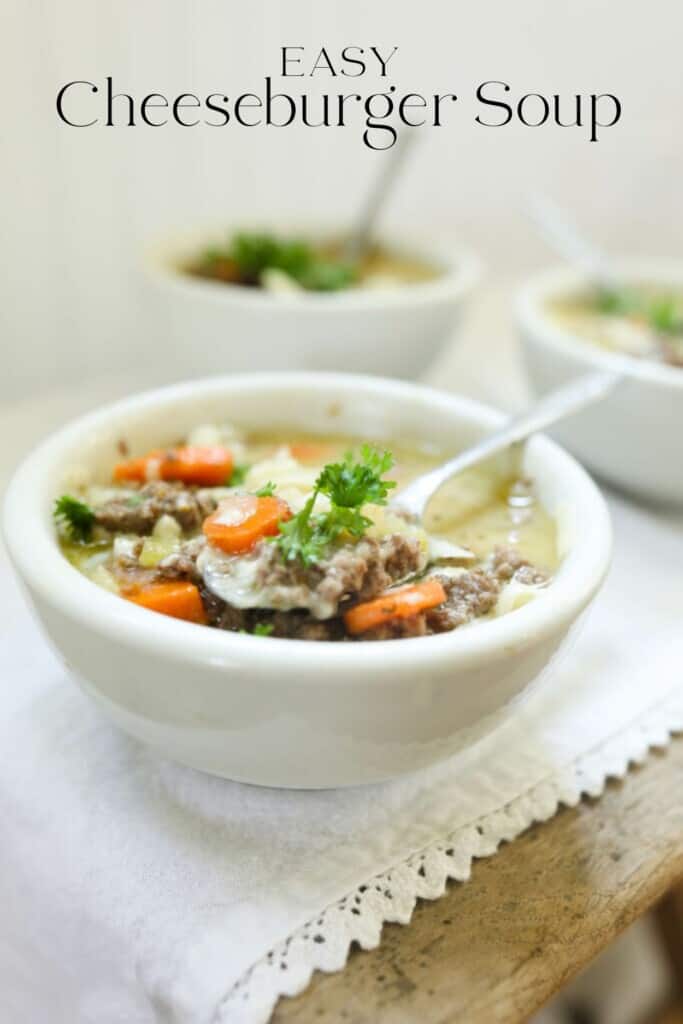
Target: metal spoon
[(561, 233), (360, 238), (413, 499)]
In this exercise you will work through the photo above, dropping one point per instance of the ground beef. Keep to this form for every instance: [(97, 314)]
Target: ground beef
[(295, 625), (507, 562), (182, 564), (469, 595), (354, 572), (139, 511), (222, 615), (302, 626), (318, 594)]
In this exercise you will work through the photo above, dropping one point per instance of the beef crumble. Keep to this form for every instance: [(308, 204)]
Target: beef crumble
[(139, 511), (469, 595), (319, 578), (353, 574)]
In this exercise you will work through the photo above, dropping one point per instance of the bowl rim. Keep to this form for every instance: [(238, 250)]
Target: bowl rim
[(558, 280), (33, 548), (462, 270)]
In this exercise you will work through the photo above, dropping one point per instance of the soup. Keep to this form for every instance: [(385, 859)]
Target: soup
[(645, 321), (285, 265), (295, 536)]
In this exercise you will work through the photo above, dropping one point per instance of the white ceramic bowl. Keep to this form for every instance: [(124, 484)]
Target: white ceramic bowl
[(633, 437), (210, 327), (292, 712)]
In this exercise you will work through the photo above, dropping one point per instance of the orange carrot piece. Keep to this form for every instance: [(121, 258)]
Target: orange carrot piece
[(135, 469), (401, 603), (177, 598), (241, 520), (206, 466)]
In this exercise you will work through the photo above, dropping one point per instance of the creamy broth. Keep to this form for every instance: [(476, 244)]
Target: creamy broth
[(145, 528), (286, 265), (481, 508), (644, 322)]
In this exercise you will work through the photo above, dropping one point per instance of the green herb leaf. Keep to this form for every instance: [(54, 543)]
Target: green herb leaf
[(263, 629), (252, 253), (302, 537), (665, 315), (352, 483), (326, 276), (74, 517), (349, 485), (615, 301), (238, 475), (267, 491)]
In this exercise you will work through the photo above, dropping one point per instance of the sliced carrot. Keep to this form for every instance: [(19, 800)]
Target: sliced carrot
[(135, 469), (177, 598), (401, 603), (241, 520), (206, 466)]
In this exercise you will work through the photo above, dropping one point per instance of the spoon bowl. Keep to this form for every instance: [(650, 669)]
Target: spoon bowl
[(566, 401)]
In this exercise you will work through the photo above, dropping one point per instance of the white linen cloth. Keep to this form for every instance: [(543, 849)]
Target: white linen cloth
[(137, 891)]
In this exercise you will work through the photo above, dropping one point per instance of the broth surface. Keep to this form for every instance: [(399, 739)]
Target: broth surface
[(644, 322), (481, 508)]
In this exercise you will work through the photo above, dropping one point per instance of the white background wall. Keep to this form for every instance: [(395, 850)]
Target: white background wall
[(77, 205)]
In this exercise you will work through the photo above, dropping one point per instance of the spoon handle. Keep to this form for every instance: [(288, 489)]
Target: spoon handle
[(560, 232), (549, 410), (361, 235)]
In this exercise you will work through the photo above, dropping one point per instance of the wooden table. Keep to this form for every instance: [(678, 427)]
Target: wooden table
[(494, 950)]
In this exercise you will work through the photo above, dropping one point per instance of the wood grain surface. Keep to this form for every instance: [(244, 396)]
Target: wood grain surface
[(493, 950)]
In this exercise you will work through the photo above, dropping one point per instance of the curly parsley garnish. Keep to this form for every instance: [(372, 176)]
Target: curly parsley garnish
[(238, 475), (267, 491), (263, 629), (74, 517), (252, 253), (349, 485), (662, 313)]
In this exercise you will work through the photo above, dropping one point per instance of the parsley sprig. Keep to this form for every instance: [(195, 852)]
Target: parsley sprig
[(251, 253), (239, 474), (263, 629), (74, 517), (662, 313), (267, 491), (349, 485)]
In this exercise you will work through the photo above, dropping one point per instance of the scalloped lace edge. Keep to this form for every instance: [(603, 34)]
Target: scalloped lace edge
[(323, 943)]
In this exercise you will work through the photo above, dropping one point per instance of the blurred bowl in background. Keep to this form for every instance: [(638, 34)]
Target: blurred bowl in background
[(207, 326), (631, 438)]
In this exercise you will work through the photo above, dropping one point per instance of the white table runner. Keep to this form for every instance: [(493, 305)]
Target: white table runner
[(135, 890)]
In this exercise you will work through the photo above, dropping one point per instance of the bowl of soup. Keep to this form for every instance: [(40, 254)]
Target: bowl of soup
[(291, 298), (569, 326), (225, 569)]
